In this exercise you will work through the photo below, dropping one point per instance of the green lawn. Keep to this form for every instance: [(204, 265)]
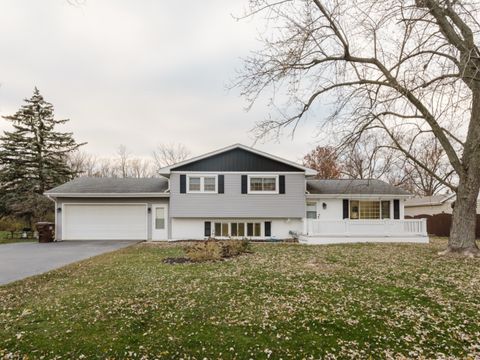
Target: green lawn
[(283, 301)]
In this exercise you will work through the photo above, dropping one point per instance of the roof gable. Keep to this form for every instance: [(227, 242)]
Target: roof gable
[(238, 158)]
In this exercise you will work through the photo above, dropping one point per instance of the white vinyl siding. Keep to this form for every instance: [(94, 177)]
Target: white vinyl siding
[(104, 222), (233, 204), (187, 228)]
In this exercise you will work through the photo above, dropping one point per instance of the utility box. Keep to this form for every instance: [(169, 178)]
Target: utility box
[(46, 231)]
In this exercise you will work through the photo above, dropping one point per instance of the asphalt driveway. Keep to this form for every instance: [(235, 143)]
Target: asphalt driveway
[(21, 260)]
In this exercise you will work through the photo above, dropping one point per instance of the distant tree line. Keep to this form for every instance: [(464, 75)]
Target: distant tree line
[(125, 165), (366, 159)]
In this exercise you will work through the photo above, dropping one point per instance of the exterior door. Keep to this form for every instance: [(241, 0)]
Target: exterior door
[(160, 222)]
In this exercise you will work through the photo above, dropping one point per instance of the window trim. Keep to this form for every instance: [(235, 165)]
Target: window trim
[(202, 184), (275, 176)]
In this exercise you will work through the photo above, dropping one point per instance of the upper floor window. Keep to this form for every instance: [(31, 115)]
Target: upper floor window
[(202, 183), (265, 184)]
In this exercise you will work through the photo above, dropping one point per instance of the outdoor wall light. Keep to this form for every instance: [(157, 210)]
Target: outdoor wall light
[(59, 210), (149, 210), (324, 206)]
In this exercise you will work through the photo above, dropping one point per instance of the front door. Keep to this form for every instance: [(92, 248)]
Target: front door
[(160, 222)]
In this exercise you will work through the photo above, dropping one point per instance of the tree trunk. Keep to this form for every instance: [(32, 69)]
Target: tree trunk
[(462, 234)]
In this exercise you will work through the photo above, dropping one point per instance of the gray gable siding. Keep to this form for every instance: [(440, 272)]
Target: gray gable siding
[(237, 160), (235, 204)]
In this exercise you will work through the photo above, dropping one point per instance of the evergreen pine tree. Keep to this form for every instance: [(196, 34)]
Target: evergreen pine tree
[(33, 159)]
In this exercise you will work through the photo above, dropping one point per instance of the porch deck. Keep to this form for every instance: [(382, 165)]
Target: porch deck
[(356, 231)]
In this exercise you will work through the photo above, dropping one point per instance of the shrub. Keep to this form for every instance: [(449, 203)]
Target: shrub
[(235, 247), (212, 250), (10, 224), (205, 251)]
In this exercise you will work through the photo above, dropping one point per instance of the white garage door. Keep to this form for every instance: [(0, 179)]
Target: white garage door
[(104, 222)]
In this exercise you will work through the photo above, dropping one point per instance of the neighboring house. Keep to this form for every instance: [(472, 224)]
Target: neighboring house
[(234, 192), (431, 205)]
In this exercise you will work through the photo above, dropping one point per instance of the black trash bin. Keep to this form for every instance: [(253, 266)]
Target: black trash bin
[(46, 231)]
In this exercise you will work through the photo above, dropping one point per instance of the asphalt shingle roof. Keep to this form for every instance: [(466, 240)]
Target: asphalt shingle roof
[(350, 186), (429, 200), (111, 185)]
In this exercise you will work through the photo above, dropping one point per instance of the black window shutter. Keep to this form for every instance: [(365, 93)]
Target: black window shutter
[(345, 209), (281, 184), (183, 184), (208, 228), (396, 209), (244, 184), (221, 184), (268, 228)]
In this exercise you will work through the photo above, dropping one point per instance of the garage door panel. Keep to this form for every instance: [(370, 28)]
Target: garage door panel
[(105, 222)]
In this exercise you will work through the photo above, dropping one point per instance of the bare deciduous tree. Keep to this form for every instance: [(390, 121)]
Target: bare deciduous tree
[(124, 165), (365, 158), (403, 67), (82, 163), (123, 159), (140, 168), (169, 154), (106, 168), (422, 182)]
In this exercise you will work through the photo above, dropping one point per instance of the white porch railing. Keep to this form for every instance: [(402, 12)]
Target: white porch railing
[(386, 228)]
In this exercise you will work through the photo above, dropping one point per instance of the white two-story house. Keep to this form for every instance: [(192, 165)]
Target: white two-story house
[(234, 192)]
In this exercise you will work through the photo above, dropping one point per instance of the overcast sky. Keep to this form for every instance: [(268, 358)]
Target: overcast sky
[(137, 73)]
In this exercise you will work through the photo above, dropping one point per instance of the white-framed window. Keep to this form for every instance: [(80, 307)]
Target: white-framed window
[(202, 183), (311, 210), (237, 229), (159, 218), (369, 210), (263, 184)]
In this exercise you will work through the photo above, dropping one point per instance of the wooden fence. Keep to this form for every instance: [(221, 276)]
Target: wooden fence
[(440, 224)]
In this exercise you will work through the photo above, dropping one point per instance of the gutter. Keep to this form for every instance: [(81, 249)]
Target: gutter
[(355, 196), (107, 195)]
